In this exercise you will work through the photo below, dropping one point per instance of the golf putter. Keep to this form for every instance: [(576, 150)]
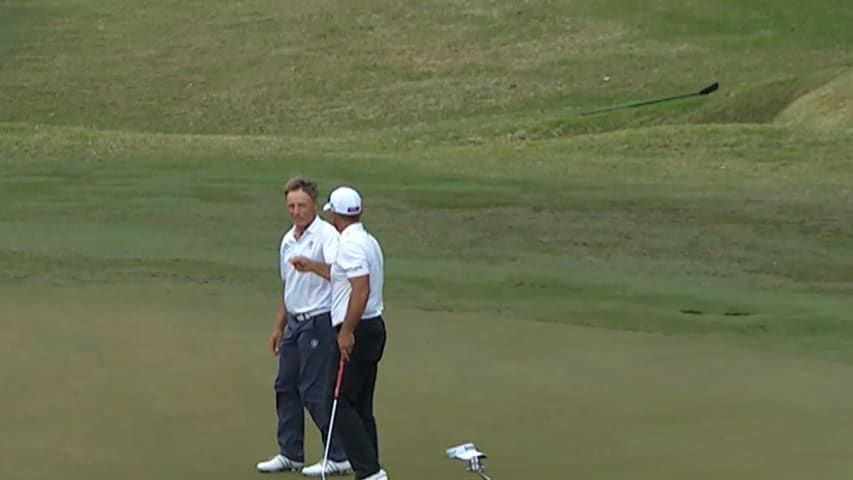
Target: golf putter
[(340, 377), (468, 453)]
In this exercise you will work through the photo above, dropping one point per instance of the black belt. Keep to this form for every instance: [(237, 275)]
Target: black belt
[(301, 317), (368, 319)]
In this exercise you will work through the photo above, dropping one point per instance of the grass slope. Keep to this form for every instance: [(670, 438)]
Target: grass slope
[(257, 66), (830, 106)]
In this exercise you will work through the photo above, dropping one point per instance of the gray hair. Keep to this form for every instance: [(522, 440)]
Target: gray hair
[(304, 184)]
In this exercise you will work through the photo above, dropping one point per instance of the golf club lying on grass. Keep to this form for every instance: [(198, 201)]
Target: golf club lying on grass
[(467, 452), (705, 91), (338, 379)]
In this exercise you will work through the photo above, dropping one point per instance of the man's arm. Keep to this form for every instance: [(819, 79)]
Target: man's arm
[(323, 267), (355, 309), (302, 264), (357, 302), (353, 260), (280, 323)]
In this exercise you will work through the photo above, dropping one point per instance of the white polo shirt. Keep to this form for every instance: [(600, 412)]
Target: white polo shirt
[(358, 254), (306, 291)]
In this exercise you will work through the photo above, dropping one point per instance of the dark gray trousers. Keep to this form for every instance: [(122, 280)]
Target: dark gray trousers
[(304, 360)]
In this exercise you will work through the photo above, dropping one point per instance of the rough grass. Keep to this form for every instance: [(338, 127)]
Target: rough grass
[(254, 66)]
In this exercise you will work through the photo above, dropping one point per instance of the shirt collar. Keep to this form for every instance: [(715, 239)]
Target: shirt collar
[(313, 226), (353, 227)]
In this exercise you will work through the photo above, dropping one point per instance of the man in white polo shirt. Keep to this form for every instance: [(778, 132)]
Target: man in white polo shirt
[(303, 337), (357, 282)]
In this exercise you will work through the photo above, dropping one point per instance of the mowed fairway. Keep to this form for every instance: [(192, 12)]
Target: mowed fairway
[(662, 293), (180, 390)]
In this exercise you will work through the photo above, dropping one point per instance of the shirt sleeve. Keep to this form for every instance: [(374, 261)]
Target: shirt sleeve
[(352, 259)]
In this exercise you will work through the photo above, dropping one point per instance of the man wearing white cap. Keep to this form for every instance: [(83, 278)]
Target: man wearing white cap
[(356, 278)]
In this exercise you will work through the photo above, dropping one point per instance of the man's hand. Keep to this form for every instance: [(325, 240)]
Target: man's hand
[(275, 340), (301, 264), (346, 342)]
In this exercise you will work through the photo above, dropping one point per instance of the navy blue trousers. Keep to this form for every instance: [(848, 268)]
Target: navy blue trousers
[(306, 353)]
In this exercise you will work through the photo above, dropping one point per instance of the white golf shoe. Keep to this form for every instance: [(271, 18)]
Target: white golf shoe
[(332, 468), (380, 475), (279, 463)]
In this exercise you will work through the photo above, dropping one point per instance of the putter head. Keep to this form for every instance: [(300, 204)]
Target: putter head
[(469, 454)]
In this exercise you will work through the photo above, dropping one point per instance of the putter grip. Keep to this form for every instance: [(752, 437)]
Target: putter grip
[(339, 377)]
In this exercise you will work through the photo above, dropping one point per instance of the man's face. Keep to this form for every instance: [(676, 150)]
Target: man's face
[(300, 207)]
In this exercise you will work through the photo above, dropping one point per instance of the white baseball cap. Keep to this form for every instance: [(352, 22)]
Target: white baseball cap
[(343, 201)]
